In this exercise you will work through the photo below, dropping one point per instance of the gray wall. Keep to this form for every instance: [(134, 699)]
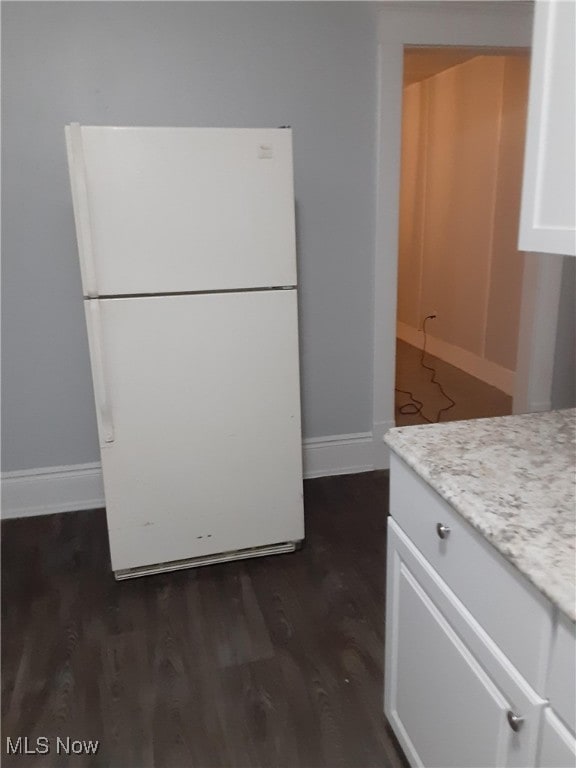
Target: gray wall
[(312, 66), (564, 376)]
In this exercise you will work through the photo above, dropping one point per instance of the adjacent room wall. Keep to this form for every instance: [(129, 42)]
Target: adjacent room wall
[(312, 66), (462, 152)]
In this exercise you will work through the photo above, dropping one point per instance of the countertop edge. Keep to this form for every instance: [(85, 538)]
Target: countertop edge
[(568, 610)]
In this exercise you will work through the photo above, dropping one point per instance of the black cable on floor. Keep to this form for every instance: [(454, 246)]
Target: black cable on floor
[(412, 409), (415, 407)]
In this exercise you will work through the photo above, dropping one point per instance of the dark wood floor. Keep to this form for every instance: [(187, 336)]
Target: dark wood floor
[(268, 662), (474, 398)]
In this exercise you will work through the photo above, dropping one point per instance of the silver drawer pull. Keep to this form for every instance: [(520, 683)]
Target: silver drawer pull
[(514, 721), (443, 530)]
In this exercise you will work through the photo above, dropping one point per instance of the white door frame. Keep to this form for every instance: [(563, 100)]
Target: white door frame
[(484, 24)]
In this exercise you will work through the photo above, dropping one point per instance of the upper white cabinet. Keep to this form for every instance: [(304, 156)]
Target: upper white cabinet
[(547, 222)]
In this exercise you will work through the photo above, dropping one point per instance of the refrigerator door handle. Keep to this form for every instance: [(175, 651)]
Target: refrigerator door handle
[(81, 208), (103, 407)]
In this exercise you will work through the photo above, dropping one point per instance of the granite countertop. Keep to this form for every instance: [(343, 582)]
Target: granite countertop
[(513, 478)]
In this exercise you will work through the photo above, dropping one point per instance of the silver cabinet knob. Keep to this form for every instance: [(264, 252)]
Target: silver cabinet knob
[(442, 530), (514, 721)]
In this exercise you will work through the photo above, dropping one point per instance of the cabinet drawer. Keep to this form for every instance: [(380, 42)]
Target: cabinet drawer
[(510, 610)]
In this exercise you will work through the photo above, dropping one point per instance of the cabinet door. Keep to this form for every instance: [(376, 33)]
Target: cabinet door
[(547, 222), (558, 748), (445, 709)]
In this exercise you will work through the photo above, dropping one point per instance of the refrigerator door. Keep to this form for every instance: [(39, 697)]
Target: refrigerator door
[(203, 412), (172, 210)]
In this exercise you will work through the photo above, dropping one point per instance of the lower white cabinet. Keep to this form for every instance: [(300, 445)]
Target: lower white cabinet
[(451, 697), (479, 665)]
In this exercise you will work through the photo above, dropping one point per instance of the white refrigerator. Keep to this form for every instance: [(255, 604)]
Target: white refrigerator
[(186, 242)]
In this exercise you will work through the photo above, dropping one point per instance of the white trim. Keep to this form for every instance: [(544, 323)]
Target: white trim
[(487, 25), (338, 455), (495, 190), (390, 66), (484, 24), (483, 369), (49, 490), (424, 192)]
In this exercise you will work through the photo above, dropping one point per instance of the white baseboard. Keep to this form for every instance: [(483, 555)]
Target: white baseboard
[(338, 455), (485, 370), (49, 490)]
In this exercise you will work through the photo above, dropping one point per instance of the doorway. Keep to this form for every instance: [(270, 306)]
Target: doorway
[(479, 24), (459, 270)]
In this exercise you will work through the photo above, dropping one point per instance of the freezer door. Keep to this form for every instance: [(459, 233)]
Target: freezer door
[(165, 210), (203, 413)]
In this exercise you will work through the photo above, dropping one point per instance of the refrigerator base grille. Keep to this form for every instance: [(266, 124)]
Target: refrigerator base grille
[(195, 562)]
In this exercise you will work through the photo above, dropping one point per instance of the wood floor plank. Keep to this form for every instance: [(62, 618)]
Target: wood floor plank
[(268, 662), (473, 398)]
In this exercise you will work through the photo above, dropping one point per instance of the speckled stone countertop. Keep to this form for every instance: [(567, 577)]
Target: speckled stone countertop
[(513, 478)]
